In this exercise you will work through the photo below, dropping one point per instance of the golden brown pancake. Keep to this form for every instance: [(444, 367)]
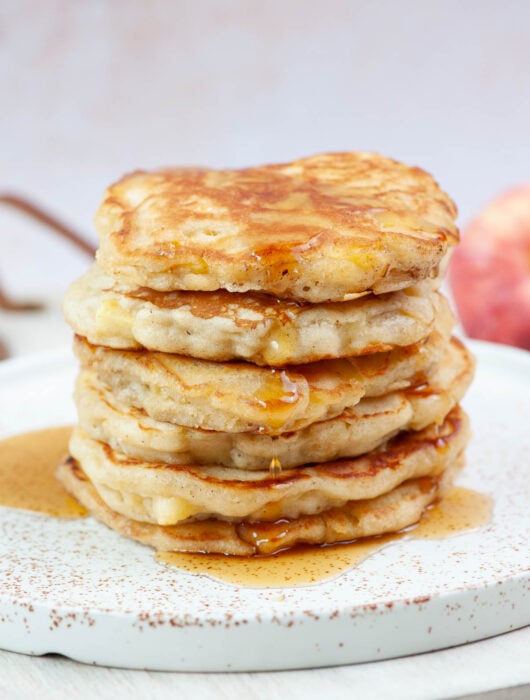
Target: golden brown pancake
[(358, 429), (255, 327), (241, 397), (323, 228)]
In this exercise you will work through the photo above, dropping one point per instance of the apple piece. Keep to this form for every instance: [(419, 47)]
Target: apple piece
[(489, 273)]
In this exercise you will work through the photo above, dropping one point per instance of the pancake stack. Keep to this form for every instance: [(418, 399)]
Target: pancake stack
[(265, 357)]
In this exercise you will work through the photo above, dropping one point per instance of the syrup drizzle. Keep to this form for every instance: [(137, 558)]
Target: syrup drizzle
[(275, 466)]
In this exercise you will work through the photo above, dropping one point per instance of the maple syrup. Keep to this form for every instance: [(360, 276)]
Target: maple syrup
[(27, 473), (275, 466), (27, 476), (461, 510), (277, 397)]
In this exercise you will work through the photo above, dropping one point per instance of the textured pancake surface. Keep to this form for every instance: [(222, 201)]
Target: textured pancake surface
[(256, 327), (318, 229), (358, 429), (165, 494), (391, 512), (242, 397)]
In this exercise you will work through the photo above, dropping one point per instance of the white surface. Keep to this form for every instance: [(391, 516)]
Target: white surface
[(482, 666), (98, 597), (30, 332)]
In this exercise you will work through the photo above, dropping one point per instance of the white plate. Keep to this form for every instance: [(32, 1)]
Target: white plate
[(79, 589)]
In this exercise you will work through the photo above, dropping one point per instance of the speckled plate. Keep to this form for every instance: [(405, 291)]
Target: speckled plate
[(75, 588)]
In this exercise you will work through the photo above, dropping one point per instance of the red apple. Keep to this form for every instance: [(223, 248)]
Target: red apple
[(490, 271)]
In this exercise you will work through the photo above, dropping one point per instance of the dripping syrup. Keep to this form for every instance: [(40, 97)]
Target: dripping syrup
[(275, 466)]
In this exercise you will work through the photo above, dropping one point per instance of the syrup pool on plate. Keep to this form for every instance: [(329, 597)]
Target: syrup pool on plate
[(27, 474), (459, 511)]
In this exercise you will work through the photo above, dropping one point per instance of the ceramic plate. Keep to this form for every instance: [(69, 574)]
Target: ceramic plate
[(76, 588)]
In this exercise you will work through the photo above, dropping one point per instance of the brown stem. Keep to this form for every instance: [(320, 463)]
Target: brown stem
[(7, 303), (3, 351), (36, 212), (44, 217)]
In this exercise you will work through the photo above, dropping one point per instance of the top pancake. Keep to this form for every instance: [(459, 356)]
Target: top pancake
[(324, 228)]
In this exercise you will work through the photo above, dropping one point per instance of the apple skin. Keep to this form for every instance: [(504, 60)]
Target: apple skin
[(489, 273)]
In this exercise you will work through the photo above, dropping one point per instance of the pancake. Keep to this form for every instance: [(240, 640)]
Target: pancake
[(255, 327), (258, 328), (241, 397), (393, 511), (323, 228), (357, 430), (390, 512), (165, 494)]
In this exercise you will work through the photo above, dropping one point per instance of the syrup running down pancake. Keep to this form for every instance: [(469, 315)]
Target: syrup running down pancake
[(242, 397), (356, 430)]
